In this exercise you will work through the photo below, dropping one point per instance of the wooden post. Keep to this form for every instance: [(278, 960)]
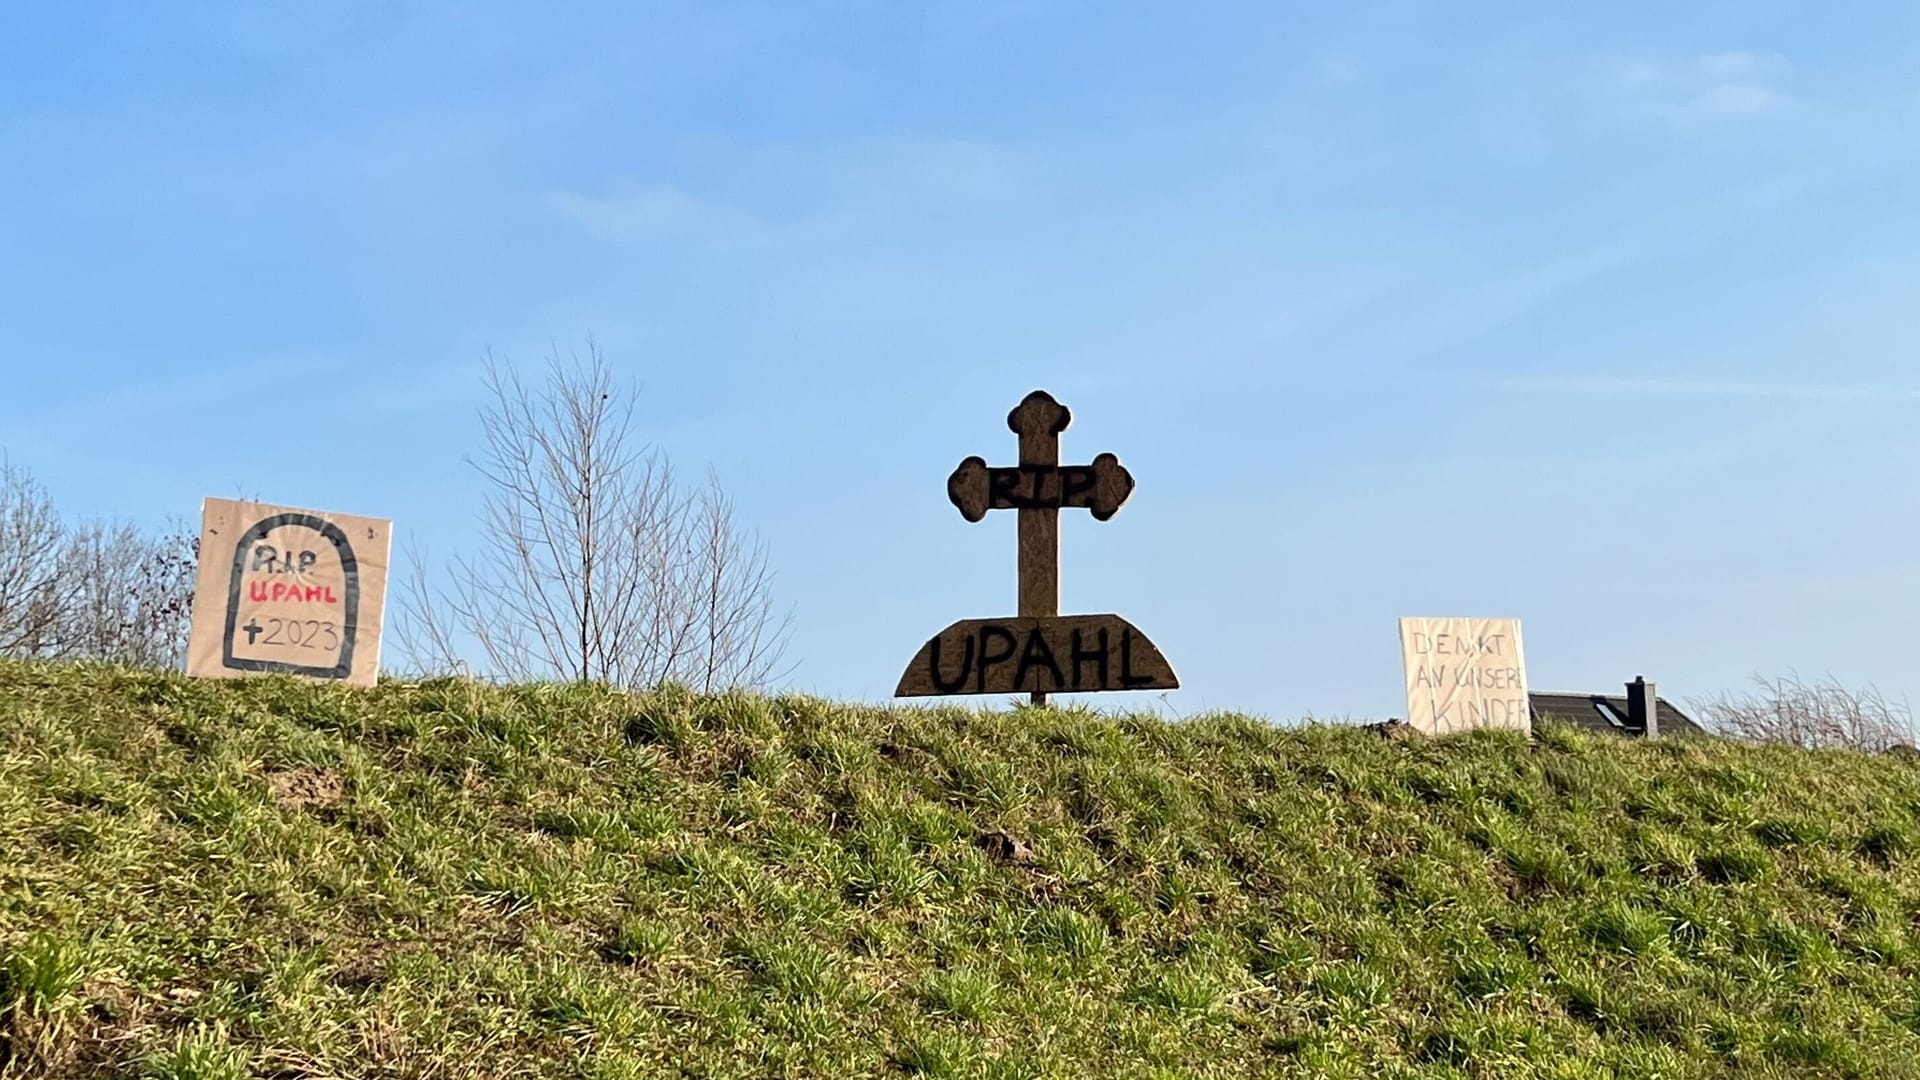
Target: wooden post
[(1039, 420)]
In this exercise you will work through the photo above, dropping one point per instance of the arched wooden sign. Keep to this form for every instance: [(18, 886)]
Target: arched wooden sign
[(1067, 654), (1039, 651)]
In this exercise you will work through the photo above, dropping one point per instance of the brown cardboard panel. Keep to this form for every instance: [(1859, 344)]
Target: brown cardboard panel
[(1060, 654), (286, 590)]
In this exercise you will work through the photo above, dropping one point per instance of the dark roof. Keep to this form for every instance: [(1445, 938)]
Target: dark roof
[(1603, 712)]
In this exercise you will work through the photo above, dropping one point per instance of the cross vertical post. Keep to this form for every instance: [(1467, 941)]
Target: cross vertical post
[(1039, 420)]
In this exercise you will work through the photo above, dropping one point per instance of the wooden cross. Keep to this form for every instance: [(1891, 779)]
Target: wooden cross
[(1039, 649), (1038, 488)]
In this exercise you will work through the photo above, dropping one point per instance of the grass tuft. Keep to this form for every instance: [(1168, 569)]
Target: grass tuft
[(268, 878), (199, 1054)]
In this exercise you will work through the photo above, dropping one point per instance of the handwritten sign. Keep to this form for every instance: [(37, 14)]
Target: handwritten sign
[(1464, 674), (1066, 654), (298, 592), (1039, 651)]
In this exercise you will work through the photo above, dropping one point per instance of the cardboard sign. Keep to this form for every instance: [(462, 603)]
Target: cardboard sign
[(298, 592), (1464, 674), (1040, 651)]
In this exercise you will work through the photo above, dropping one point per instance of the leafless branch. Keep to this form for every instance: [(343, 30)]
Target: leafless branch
[(99, 590), (129, 595), (592, 564), (1787, 709), (31, 604)]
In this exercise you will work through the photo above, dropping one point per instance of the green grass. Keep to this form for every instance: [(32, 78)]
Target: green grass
[(220, 880)]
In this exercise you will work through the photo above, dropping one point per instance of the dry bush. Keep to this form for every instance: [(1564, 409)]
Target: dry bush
[(594, 564), (32, 602), (130, 594), (93, 591), (1788, 709)]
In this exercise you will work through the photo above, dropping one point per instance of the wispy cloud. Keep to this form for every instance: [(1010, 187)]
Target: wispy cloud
[(1707, 87), (1674, 386), (179, 398), (793, 188), (432, 387), (634, 211), (1337, 71)]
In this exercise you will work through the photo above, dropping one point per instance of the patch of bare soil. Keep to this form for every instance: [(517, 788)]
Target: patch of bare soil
[(306, 789)]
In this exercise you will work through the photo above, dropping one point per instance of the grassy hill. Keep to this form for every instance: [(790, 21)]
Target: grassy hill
[(203, 880)]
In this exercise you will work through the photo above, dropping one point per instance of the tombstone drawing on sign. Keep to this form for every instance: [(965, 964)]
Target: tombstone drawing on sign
[(1038, 651), (296, 592)]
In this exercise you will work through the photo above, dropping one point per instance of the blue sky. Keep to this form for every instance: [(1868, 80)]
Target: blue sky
[(1590, 317)]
